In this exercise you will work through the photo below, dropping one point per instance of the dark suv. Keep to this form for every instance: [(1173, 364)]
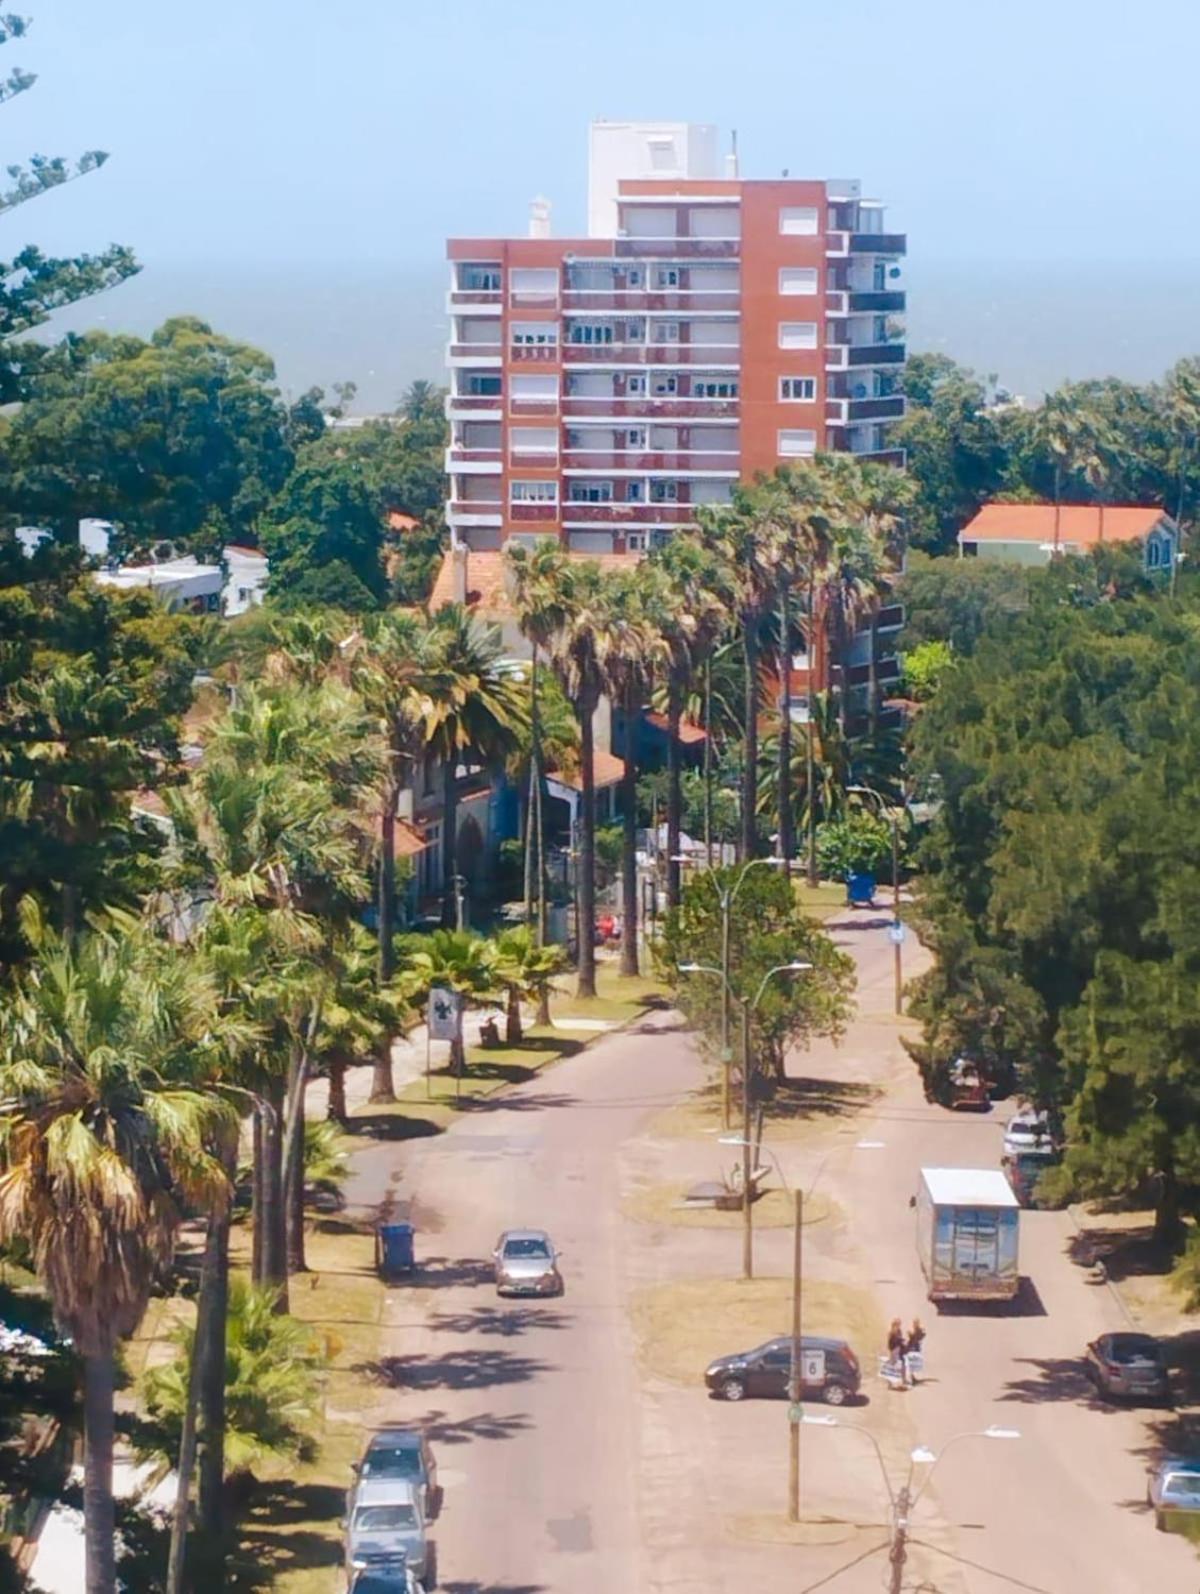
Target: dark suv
[(829, 1371)]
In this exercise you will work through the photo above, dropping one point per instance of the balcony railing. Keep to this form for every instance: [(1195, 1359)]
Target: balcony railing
[(880, 301), (878, 243), (457, 455), (544, 352), (889, 408), (682, 407), (885, 670), (890, 618), (533, 458), (474, 401), (882, 456), (836, 302), (651, 353), (461, 297), (471, 351), (876, 354), (688, 301), (837, 244), (527, 299), (530, 406), (523, 511), (835, 411), (645, 514), (677, 248), (481, 512), (695, 459), (836, 356)]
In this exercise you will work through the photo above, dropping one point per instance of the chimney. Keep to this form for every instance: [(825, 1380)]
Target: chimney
[(458, 553), (731, 160), (539, 218)]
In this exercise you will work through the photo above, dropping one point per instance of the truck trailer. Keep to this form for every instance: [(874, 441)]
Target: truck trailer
[(967, 1234)]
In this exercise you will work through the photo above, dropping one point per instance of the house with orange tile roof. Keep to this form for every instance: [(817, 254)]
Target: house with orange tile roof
[(1034, 534)]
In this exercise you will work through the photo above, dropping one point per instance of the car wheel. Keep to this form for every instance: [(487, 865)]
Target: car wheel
[(431, 1568), (834, 1394), (733, 1389), (1160, 1522)]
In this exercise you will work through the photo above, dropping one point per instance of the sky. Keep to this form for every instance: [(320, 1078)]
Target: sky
[(291, 169)]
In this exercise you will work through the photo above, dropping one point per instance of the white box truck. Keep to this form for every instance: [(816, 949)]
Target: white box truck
[(967, 1234)]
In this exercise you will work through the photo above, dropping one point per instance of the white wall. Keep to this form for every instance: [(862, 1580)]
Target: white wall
[(635, 149), (715, 221)]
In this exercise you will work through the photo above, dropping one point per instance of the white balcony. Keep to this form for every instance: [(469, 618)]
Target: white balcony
[(474, 514), (473, 461), (485, 356), (462, 302)]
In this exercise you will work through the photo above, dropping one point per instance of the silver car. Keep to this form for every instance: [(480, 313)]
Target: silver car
[(1173, 1488), (387, 1522), (526, 1264)]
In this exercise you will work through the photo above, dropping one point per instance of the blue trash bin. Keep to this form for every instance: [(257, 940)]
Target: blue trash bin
[(394, 1249), (860, 890)]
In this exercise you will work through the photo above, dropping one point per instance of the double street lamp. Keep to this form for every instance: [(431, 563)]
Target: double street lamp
[(903, 1501), (726, 897), (749, 1007)]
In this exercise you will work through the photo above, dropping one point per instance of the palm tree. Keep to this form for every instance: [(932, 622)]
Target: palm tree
[(690, 611), (536, 598), (456, 960), (579, 648), (525, 969), (471, 704), (635, 650), (103, 1148)]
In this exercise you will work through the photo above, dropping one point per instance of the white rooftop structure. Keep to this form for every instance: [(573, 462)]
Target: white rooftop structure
[(183, 583), (618, 150), (968, 1187)]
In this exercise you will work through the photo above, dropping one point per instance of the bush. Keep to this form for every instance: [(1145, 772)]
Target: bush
[(859, 844)]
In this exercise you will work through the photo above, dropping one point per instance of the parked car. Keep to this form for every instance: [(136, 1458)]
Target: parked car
[(403, 1453), (1173, 1488), (391, 1577), (387, 1522), (1028, 1130), (526, 1264), (968, 1087), (1128, 1367), (829, 1367)]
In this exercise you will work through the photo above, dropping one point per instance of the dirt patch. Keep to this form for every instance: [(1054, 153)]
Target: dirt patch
[(681, 1327), (663, 1203), (778, 1530), (802, 1107)]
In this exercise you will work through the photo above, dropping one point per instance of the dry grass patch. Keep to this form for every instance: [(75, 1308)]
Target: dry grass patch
[(775, 1209), (681, 1327), (812, 1531), (802, 1108)]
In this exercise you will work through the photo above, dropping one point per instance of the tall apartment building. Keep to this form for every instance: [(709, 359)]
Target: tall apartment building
[(707, 328)]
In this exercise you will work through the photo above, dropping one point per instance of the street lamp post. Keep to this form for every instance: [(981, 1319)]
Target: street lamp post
[(749, 1008), (903, 1501), (726, 896), (893, 816)]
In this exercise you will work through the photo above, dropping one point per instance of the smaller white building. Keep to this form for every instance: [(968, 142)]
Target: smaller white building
[(246, 579), (238, 583)]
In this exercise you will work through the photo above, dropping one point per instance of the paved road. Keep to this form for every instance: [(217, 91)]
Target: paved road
[(531, 1405)]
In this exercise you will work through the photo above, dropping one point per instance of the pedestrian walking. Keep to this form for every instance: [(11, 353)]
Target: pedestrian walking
[(914, 1356), (895, 1348)]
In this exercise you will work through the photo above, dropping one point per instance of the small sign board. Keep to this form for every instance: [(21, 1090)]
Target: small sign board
[(896, 932), (812, 1366), (445, 1014)]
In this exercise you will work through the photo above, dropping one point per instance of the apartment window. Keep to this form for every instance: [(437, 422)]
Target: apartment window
[(722, 389), (797, 279), (533, 492), (635, 437), (633, 492), (537, 332), (533, 440), (633, 277), (635, 331), (591, 492), (666, 332), (635, 542), (666, 386), (797, 334), (480, 279), (798, 220), (592, 332), (664, 492), (483, 386), (635, 385), (666, 276), (798, 389), (793, 444), (534, 282), (662, 155), (530, 385)]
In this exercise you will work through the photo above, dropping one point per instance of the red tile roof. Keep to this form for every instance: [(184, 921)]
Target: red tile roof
[(1083, 525), (399, 520), (410, 839), (609, 770), (487, 591), (689, 735)]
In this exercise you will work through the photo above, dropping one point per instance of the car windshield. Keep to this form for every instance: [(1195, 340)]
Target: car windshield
[(384, 1518), (393, 1461), (531, 1248), (1182, 1486)]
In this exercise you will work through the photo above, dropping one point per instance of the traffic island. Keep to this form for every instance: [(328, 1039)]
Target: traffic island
[(773, 1209)]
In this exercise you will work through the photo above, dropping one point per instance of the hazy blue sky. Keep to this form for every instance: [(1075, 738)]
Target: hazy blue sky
[(283, 161)]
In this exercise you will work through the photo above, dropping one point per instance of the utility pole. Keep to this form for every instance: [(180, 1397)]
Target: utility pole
[(726, 1053), (898, 973), (898, 1552), (747, 1153), (796, 1384), (810, 757)]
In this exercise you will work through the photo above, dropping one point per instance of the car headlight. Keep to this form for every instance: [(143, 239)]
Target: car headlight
[(357, 1564)]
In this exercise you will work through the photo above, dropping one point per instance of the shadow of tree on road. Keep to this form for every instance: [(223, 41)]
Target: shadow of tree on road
[(544, 1099), (441, 1273), (1055, 1378), (458, 1369), (443, 1429), (505, 1322), (820, 1098), (391, 1126)]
